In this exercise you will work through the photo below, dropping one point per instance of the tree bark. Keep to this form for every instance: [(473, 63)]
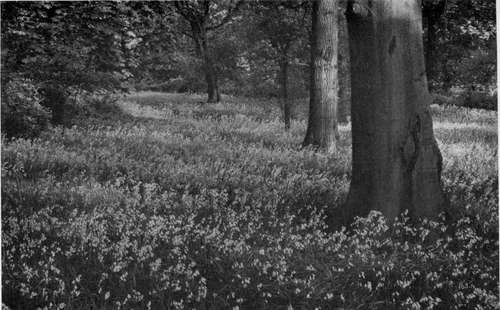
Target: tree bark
[(285, 102), (344, 103), (396, 163), (322, 129)]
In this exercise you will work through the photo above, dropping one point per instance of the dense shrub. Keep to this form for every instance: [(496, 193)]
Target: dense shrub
[(27, 110), (87, 109), (477, 72), (22, 114), (468, 99), (478, 100), (185, 205), (441, 99)]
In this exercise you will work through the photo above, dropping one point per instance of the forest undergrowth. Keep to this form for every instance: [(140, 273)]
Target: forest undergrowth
[(179, 204)]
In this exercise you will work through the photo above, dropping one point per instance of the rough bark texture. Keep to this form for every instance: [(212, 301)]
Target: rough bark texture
[(322, 130), (396, 163), (285, 102), (344, 101)]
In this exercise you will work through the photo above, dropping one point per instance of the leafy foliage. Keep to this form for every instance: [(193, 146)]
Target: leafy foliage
[(82, 45), (22, 113), (466, 45), (66, 49), (76, 44)]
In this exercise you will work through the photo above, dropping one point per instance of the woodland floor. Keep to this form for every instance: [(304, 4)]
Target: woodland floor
[(94, 198)]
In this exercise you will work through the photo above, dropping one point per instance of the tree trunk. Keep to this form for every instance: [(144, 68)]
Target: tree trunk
[(201, 47), (54, 98), (211, 78), (322, 130), (396, 163), (344, 103), (432, 12), (285, 102), (430, 47)]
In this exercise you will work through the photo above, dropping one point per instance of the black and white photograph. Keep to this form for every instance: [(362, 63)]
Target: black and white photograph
[(249, 154)]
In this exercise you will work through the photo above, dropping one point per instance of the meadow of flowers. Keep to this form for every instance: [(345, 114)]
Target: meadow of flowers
[(176, 204)]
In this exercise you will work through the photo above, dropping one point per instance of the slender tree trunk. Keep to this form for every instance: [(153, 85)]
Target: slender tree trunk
[(430, 47), (285, 102), (344, 103), (322, 130), (211, 78), (201, 46), (432, 12), (54, 98), (217, 90), (396, 163)]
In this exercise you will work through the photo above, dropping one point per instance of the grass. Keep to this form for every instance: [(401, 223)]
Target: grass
[(179, 204)]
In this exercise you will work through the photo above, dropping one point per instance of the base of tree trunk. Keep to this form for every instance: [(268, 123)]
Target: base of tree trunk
[(214, 96), (286, 115)]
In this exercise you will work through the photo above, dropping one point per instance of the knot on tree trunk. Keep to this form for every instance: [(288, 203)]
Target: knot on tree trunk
[(410, 148)]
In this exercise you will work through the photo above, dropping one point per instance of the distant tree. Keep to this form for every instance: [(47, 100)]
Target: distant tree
[(344, 70), (432, 13), (203, 17), (322, 129), (396, 163), (280, 24)]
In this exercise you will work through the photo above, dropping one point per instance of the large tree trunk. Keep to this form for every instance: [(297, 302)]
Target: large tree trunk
[(285, 102), (201, 47), (322, 130), (396, 163), (344, 103)]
